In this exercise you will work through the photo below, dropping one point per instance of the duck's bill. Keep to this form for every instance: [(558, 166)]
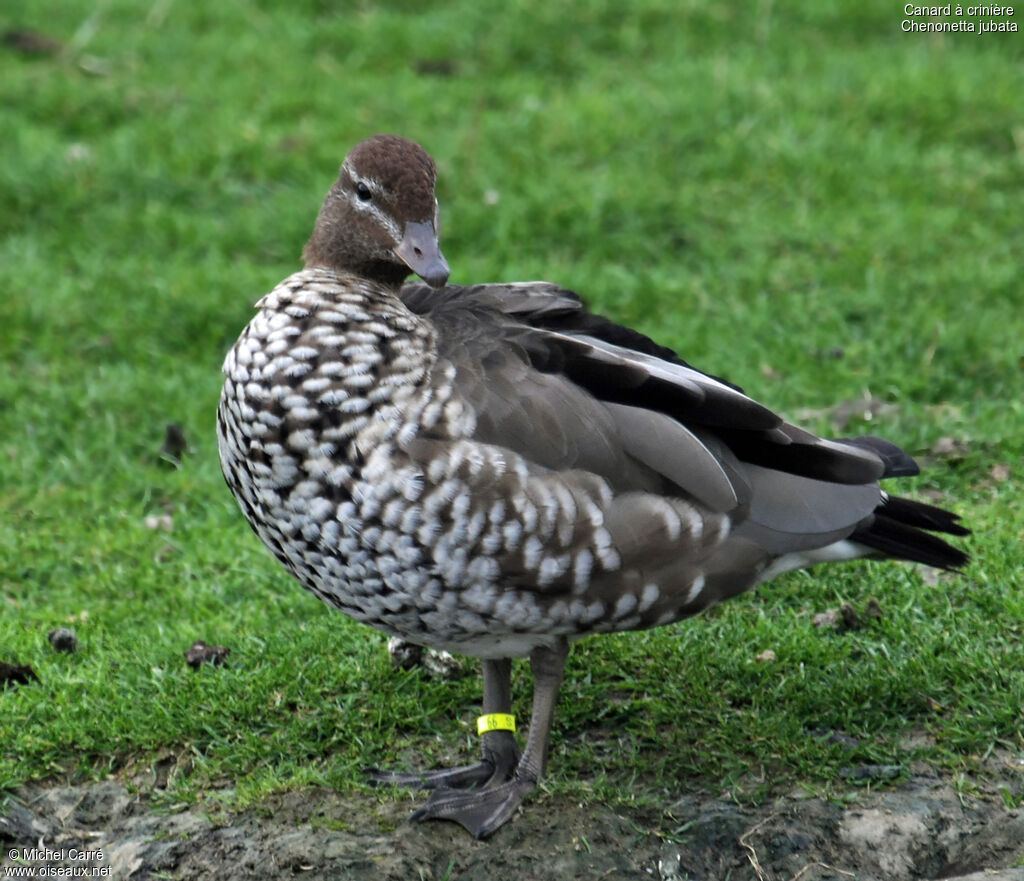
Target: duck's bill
[(421, 252)]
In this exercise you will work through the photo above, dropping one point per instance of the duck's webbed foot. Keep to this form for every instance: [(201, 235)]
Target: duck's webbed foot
[(483, 796), (480, 812)]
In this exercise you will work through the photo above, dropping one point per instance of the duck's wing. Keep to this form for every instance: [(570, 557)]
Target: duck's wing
[(505, 334), (569, 389)]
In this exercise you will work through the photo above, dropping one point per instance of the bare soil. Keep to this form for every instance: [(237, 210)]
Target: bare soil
[(923, 829)]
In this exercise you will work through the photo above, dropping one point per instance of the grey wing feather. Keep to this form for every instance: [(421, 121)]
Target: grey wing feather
[(792, 513), (671, 449)]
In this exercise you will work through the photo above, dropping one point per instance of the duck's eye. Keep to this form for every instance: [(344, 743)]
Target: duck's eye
[(363, 192)]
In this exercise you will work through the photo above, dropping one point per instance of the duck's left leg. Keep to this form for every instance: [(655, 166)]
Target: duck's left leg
[(482, 811)]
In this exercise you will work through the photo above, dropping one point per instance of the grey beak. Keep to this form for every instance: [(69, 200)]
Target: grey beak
[(421, 252)]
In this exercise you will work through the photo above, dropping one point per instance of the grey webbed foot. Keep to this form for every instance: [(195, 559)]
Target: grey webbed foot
[(480, 812)]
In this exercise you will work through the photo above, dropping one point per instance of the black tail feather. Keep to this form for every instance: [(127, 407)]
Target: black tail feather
[(897, 530), (923, 516)]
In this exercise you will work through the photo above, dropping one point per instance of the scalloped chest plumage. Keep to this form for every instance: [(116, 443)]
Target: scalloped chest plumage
[(320, 387), (351, 456)]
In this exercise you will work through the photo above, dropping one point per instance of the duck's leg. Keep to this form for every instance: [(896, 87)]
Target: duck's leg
[(484, 810), (499, 748)]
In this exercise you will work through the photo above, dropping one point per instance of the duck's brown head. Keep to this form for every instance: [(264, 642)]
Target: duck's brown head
[(380, 218)]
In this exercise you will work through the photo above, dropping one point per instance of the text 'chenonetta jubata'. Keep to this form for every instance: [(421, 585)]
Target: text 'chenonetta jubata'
[(495, 471)]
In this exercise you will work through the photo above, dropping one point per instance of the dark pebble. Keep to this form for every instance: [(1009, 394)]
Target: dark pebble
[(63, 639)]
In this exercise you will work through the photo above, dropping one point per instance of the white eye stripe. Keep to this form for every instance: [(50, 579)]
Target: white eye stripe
[(370, 206), (356, 178), (379, 215)]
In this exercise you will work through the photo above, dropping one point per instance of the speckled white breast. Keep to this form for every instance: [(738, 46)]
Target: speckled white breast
[(352, 457)]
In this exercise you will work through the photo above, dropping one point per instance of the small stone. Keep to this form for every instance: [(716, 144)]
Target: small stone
[(200, 653), (159, 521), (1000, 472), (950, 447), (766, 657), (63, 639), (829, 618)]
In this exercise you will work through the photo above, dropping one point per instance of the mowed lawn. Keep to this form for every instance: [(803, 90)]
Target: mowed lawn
[(797, 196)]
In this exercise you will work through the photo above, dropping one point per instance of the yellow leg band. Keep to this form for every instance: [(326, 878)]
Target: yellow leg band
[(495, 722)]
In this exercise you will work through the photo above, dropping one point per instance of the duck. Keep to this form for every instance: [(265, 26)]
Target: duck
[(494, 470)]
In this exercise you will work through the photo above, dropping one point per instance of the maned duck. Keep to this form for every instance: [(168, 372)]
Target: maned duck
[(493, 470)]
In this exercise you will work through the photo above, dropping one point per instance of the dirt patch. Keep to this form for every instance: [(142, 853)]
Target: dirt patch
[(921, 830)]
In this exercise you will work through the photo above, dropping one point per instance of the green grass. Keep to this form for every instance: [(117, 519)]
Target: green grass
[(795, 195)]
